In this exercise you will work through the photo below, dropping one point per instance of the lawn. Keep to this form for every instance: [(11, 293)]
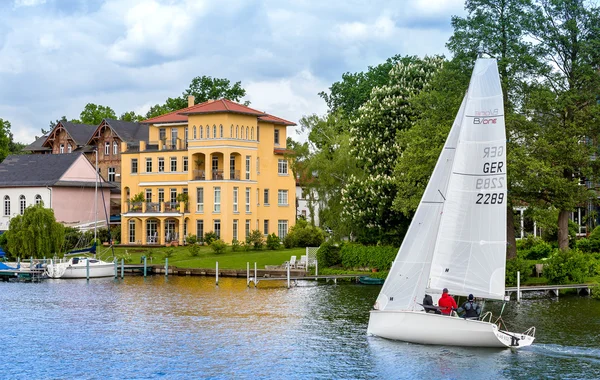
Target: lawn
[(181, 256)]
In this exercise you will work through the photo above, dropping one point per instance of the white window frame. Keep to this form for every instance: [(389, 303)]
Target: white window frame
[(217, 199), (266, 197), (115, 148), (282, 228), (38, 199), (266, 227), (185, 164), (132, 231), (173, 164), (69, 148), (282, 198), (134, 161), (217, 227), (112, 173), (200, 199), (200, 230), (148, 165), (248, 158), (148, 195), (161, 164), (282, 167), (62, 148), (276, 137), (22, 204), (6, 205), (235, 199), (247, 200), (107, 148), (235, 229), (247, 227)]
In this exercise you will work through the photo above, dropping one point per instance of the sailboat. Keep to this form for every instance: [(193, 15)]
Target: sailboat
[(79, 266), (457, 238)]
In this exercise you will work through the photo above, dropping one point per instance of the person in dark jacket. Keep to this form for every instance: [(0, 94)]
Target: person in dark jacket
[(471, 308), (428, 305), (447, 303)]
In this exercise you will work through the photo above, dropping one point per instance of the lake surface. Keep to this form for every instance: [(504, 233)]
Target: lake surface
[(186, 327)]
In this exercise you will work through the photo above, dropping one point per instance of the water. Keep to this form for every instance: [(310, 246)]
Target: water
[(185, 327)]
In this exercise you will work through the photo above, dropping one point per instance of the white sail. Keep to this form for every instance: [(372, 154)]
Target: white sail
[(470, 249), (406, 282)]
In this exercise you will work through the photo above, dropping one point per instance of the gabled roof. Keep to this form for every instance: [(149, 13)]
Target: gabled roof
[(81, 133), (221, 106), (35, 169), (275, 120), (127, 131), (36, 146), (215, 106)]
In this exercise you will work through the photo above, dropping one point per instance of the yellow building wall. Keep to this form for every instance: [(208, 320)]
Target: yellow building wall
[(263, 174)]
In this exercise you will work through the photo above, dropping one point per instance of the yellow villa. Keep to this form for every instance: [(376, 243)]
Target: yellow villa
[(215, 166)]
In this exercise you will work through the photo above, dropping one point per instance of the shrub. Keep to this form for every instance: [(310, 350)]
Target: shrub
[(169, 252), (540, 250), (515, 265), (126, 257), (194, 250), (595, 292), (115, 234), (568, 266), (191, 239), (209, 237), (235, 245), (303, 234), (357, 256), (273, 242), (218, 246), (328, 255), (256, 240)]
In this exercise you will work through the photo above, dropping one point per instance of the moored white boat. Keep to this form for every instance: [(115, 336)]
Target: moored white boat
[(457, 238), (77, 267)]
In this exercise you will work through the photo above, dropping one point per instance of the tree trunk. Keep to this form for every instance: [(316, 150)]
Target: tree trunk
[(511, 249), (563, 230)]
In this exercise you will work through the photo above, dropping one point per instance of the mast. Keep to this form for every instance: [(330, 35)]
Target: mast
[(96, 198)]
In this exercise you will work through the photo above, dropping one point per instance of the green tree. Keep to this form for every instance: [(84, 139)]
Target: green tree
[(35, 233), (203, 88), (131, 116), (93, 114), (354, 89), (563, 106), (368, 197), (5, 139)]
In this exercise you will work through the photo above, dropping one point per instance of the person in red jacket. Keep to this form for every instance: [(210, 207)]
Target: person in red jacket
[(447, 303)]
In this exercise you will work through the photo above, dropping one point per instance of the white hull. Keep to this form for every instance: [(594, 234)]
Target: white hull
[(428, 328), (97, 268)]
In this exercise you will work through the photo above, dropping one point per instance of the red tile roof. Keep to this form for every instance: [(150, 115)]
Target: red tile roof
[(219, 106), (275, 120), (216, 106)]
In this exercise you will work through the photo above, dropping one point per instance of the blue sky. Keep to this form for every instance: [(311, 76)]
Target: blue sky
[(58, 55)]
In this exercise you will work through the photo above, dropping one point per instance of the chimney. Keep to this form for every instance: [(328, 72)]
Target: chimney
[(190, 100)]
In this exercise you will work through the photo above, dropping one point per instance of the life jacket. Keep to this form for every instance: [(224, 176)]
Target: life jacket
[(471, 309)]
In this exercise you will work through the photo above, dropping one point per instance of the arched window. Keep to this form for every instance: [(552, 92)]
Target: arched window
[(242, 133), (237, 132), (22, 204), (252, 134), (214, 131), (194, 132), (106, 148), (231, 131), (115, 148), (221, 130), (207, 132), (38, 199), (6, 205), (69, 149), (247, 132)]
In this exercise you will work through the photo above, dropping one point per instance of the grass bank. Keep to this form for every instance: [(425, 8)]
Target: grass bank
[(182, 257)]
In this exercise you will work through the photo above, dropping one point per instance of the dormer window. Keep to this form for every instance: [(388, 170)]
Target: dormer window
[(62, 148), (69, 149)]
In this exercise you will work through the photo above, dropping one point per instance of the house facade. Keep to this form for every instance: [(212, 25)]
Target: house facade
[(216, 166), (65, 183)]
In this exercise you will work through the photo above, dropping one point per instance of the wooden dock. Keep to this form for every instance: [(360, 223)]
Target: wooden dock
[(553, 290)]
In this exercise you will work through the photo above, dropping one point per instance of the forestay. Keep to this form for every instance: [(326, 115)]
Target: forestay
[(470, 249)]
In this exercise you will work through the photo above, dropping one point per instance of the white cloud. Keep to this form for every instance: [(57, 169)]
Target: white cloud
[(28, 3)]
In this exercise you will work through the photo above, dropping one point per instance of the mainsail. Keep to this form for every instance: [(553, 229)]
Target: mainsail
[(457, 238), (470, 250)]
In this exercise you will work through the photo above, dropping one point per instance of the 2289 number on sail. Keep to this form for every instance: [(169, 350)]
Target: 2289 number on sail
[(490, 198)]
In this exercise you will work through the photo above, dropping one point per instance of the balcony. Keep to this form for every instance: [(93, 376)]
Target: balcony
[(152, 207), (199, 175), (234, 174), (157, 207), (217, 175)]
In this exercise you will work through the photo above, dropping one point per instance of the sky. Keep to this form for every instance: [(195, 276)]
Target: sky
[(58, 55)]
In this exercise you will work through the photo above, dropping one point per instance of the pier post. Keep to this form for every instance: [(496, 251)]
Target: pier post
[(145, 265), (255, 274), (288, 275), (316, 268), (217, 274), (31, 262), (87, 268), (166, 267), (122, 269), (116, 269), (248, 274), (518, 286)]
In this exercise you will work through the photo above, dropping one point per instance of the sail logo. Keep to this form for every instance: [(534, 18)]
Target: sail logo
[(484, 120), (493, 112)]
